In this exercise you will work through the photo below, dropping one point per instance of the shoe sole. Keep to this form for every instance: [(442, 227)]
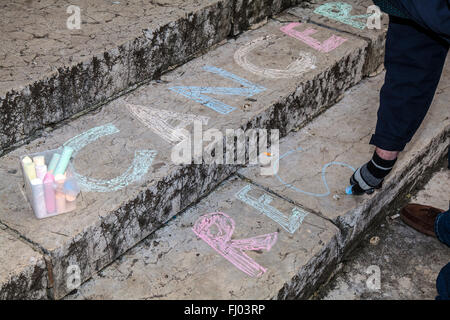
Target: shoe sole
[(415, 226)]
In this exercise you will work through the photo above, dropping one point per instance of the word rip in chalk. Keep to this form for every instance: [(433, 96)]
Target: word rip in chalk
[(304, 63), (340, 11), (232, 250), (289, 223), (198, 94), (328, 45), (142, 161)]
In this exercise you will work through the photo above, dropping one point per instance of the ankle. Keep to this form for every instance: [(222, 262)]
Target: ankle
[(378, 167), (386, 155)]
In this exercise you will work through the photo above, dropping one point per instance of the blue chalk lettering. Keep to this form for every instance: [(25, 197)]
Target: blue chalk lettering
[(340, 11), (141, 163), (198, 93), (324, 179), (262, 204)]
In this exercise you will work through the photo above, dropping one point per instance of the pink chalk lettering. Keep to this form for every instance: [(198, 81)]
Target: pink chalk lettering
[(216, 230), (328, 45)]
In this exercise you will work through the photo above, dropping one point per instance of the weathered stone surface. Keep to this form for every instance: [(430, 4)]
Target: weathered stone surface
[(106, 224), (435, 192), (49, 73), (174, 263), (375, 37), (341, 135), (409, 261), (23, 273), (249, 12), (284, 103)]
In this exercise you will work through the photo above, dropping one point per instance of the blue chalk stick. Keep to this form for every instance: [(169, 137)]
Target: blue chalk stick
[(53, 162), (348, 190), (63, 161)]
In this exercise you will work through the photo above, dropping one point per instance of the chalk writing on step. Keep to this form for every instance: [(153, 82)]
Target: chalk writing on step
[(290, 222), (216, 230), (340, 11), (324, 179), (159, 121), (328, 45), (304, 63), (141, 163), (198, 94)]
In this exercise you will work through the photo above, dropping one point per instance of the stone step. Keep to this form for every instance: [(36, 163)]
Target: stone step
[(131, 187), (262, 261), (278, 236), (409, 261), (343, 16), (50, 73), (327, 150), (23, 272)]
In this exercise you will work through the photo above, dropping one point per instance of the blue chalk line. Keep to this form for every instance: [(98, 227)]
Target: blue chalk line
[(324, 168)]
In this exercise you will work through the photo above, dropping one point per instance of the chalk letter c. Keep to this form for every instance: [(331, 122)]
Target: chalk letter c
[(304, 63), (141, 163)]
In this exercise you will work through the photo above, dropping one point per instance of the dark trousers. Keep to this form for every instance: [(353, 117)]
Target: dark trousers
[(442, 229), (416, 49), (431, 14), (414, 60)]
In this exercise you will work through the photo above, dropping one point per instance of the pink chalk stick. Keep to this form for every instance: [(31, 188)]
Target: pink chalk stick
[(49, 193), (328, 45), (233, 250)]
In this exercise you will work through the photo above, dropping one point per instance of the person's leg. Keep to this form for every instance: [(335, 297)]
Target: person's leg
[(442, 227), (431, 14), (442, 230), (414, 60), (443, 283)]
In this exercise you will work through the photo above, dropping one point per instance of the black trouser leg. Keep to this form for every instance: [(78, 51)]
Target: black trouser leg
[(414, 61)]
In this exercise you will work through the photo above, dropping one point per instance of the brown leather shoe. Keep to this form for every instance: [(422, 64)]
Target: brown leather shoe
[(420, 217)]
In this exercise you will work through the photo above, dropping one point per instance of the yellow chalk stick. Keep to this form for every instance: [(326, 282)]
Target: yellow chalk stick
[(30, 170), (26, 160)]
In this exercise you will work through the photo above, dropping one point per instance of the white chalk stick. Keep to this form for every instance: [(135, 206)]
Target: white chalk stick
[(37, 190)]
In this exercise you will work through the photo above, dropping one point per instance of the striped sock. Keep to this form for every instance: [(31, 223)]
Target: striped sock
[(371, 175)]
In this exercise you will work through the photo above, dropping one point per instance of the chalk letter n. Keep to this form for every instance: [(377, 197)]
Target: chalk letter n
[(198, 94)]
